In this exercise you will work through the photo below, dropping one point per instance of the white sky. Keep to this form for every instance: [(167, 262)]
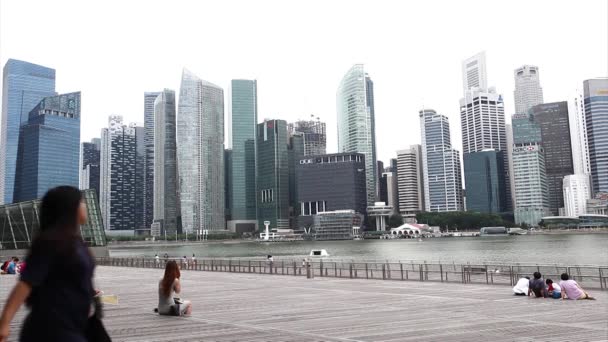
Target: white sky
[(114, 51)]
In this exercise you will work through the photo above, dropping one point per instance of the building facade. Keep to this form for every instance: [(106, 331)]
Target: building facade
[(242, 189), (356, 122), (554, 123), (117, 187), (149, 98), (441, 164), (596, 122), (273, 200), (49, 147), (531, 188), (336, 225), (140, 178), (166, 186), (331, 182), (577, 191), (410, 181), (392, 190), (200, 154), (314, 134), (486, 180), (528, 92), (24, 85), (90, 165)]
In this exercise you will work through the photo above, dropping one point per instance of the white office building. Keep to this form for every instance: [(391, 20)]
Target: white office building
[(528, 92), (577, 191), (410, 181)]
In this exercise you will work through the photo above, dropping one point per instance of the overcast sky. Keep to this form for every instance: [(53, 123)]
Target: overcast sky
[(114, 51)]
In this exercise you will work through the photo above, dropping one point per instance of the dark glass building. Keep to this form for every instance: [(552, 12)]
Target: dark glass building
[(23, 86), (241, 193), (295, 151), (91, 157), (485, 181), (331, 182), (149, 98), (596, 118), (49, 147), (273, 174), (552, 118)]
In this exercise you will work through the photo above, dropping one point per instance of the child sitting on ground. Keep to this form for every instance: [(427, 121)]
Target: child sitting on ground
[(553, 289)]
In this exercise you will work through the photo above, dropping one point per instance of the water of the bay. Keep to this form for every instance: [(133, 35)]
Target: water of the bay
[(571, 249)]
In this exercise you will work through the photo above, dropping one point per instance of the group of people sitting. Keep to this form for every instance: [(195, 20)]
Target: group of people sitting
[(540, 288), (12, 266)]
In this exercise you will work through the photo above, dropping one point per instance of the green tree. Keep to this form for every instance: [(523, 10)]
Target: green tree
[(395, 220)]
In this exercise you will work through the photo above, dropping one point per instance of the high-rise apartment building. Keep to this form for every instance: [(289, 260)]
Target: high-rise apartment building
[(441, 163), (242, 189), (552, 118), (90, 165), (410, 181), (273, 198), (314, 134), (49, 147), (577, 191), (485, 177), (596, 122), (531, 189), (528, 92), (482, 118), (166, 186), (356, 122), (24, 85), (149, 98), (578, 132), (117, 198), (200, 154)]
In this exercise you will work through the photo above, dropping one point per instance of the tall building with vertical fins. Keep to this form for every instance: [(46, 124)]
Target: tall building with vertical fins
[(441, 163), (528, 92), (90, 163), (356, 122), (482, 119), (24, 85), (166, 186), (200, 154), (596, 124), (149, 98), (410, 182), (314, 134), (242, 189)]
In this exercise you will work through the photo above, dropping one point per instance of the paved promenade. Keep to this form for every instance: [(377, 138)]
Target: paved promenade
[(250, 307)]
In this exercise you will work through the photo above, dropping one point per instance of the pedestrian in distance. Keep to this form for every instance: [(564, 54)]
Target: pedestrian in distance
[(57, 285), (157, 260)]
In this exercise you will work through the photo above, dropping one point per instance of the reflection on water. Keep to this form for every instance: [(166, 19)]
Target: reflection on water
[(573, 249)]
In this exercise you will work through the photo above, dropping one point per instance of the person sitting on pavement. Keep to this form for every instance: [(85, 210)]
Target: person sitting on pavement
[(538, 286), (12, 266), (521, 288), (167, 287), (553, 290), (571, 289)]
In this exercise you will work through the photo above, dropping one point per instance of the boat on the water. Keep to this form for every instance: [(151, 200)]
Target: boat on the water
[(493, 231), (319, 253), (517, 231)]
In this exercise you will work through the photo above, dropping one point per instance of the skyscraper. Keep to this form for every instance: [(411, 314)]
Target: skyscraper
[(166, 197), (441, 163), (410, 181), (149, 98), (49, 147), (482, 117), (200, 154), (117, 198), (273, 198), (24, 86), (140, 177), (511, 183), (531, 189), (596, 121), (528, 92), (356, 122), (90, 163), (577, 191), (552, 118), (485, 178), (242, 190), (314, 134), (578, 132)]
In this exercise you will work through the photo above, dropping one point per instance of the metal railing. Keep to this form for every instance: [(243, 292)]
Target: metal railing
[(595, 277)]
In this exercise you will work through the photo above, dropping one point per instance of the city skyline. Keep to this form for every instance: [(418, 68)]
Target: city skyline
[(318, 74)]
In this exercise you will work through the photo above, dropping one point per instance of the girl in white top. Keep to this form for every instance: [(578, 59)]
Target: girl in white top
[(167, 288)]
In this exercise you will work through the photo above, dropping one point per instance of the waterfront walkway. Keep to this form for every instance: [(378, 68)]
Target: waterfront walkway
[(254, 307)]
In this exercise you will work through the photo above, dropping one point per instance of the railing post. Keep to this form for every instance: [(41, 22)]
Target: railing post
[(383, 272), (601, 280), (441, 271), (321, 268), (401, 267), (350, 269), (486, 269)]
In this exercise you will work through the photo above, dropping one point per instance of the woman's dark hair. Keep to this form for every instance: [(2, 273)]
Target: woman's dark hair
[(565, 276), (549, 281), (537, 275), (171, 273)]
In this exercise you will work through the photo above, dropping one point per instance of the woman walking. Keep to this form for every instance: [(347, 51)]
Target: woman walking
[(57, 284)]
